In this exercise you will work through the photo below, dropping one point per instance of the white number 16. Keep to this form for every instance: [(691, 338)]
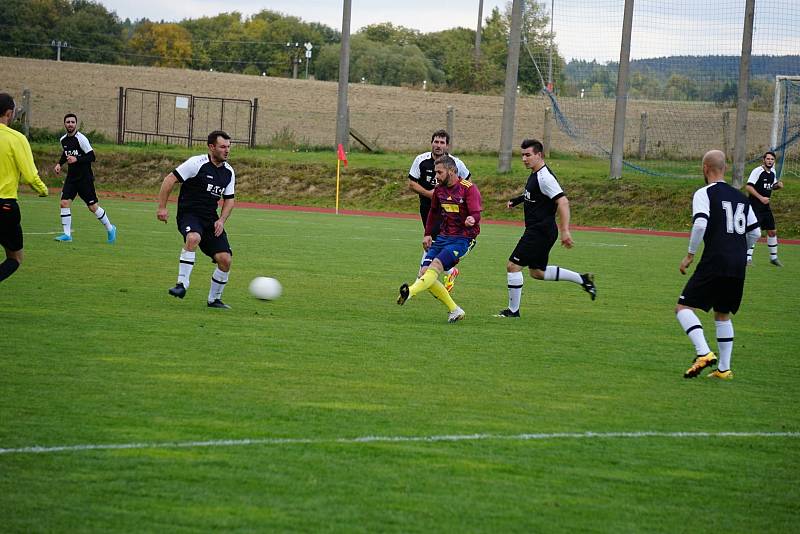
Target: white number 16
[(735, 221)]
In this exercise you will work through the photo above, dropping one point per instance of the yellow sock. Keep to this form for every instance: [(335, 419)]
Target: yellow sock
[(441, 293), (424, 282)]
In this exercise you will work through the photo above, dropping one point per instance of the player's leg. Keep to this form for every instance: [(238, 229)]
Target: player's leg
[(68, 193), (425, 278), (728, 298), (697, 294), (89, 196), (515, 280), (190, 227), (10, 238), (218, 280), (218, 248), (772, 245)]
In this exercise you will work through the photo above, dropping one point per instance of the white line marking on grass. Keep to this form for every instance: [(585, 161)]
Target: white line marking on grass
[(396, 439), (606, 245)]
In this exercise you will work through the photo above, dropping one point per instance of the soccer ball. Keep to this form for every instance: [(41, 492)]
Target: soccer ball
[(265, 288)]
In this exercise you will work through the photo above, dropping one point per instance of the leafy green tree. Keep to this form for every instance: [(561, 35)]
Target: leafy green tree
[(28, 27), (162, 44)]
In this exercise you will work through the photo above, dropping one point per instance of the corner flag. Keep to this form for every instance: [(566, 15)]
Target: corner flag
[(341, 155)]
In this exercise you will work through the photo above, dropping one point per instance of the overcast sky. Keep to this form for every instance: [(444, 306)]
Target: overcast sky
[(585, 29)]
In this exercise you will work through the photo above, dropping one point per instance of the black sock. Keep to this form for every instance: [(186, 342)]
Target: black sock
[(7, 268)]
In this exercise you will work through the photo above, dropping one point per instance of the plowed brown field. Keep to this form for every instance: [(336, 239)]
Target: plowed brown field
[(394, 118)]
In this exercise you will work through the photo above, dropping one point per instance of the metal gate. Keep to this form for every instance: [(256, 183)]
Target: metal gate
[(178, 118)]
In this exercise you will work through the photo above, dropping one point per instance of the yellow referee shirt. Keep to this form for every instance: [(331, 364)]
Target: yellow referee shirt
[(16, 161)]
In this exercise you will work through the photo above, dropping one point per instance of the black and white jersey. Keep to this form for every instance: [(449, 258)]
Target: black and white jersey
[(202, 185), (729, 218), (541, 193), (423, 172), (77, 145), (762, 180)]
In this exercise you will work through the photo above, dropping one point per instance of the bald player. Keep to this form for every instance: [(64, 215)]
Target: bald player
[(727, 226)]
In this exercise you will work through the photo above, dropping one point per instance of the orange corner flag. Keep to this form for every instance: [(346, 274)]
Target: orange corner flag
[(341, 155)]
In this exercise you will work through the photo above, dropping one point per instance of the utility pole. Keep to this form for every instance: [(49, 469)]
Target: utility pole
[(618, 144), (58, 45), (478, 33), (294, 57), (740, 137), (510, 99), (342, 118)]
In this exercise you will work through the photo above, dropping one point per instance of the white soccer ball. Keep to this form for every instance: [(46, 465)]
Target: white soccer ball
[(265, 288)]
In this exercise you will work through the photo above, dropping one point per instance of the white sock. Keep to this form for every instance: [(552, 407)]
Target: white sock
[(218, 281), (772, 244), (750, 253), (515, 281), (102, 217), (725, 343), (66, 220), (554, 273), (185, 267), (422, 259), (694, 329)]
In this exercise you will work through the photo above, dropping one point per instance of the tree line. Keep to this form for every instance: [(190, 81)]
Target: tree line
[(270, 43)]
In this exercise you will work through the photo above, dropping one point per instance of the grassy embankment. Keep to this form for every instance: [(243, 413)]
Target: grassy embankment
[(378, 182)]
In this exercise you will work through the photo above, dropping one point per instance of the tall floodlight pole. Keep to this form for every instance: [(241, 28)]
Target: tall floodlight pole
[(618, 144), (342, 120), (478, 33), (740, 140), (550, 61), (510, 99)]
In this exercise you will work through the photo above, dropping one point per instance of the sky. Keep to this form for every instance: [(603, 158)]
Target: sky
[(585, 29)]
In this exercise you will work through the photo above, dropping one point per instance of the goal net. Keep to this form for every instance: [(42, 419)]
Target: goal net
[(786, 126)]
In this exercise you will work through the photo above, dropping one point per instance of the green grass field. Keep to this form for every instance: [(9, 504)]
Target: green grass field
[(97, 354)]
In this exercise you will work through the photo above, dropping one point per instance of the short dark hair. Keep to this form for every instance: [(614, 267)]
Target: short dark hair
[(769, 153), (212, 137), (441, 133), (448, 162), (6, 103), (535, 144), (68, 115)]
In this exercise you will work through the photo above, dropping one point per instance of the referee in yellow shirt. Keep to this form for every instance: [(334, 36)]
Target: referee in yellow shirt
[(16, 161)]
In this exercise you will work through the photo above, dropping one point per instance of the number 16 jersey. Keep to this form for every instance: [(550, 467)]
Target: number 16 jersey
[(729, 218)]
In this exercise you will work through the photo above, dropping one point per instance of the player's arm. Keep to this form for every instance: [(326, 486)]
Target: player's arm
[(86, 148), (163, 196), (418, 189), (562, 210), (30, 175), (701, 209), (227, 208), (753, 193), (474, 206), (515, 201)]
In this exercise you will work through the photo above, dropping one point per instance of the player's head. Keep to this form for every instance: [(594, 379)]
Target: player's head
[(7, 108), (446, 170), (70, 123), (532, 153), (440, 143), (769, 159), (714, 166), (219, 145)]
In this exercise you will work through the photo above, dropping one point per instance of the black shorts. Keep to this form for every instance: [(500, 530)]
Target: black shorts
[(82, 187), (533, 248), (706, 291), (764, 215), (10, 225), (209, 243)]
